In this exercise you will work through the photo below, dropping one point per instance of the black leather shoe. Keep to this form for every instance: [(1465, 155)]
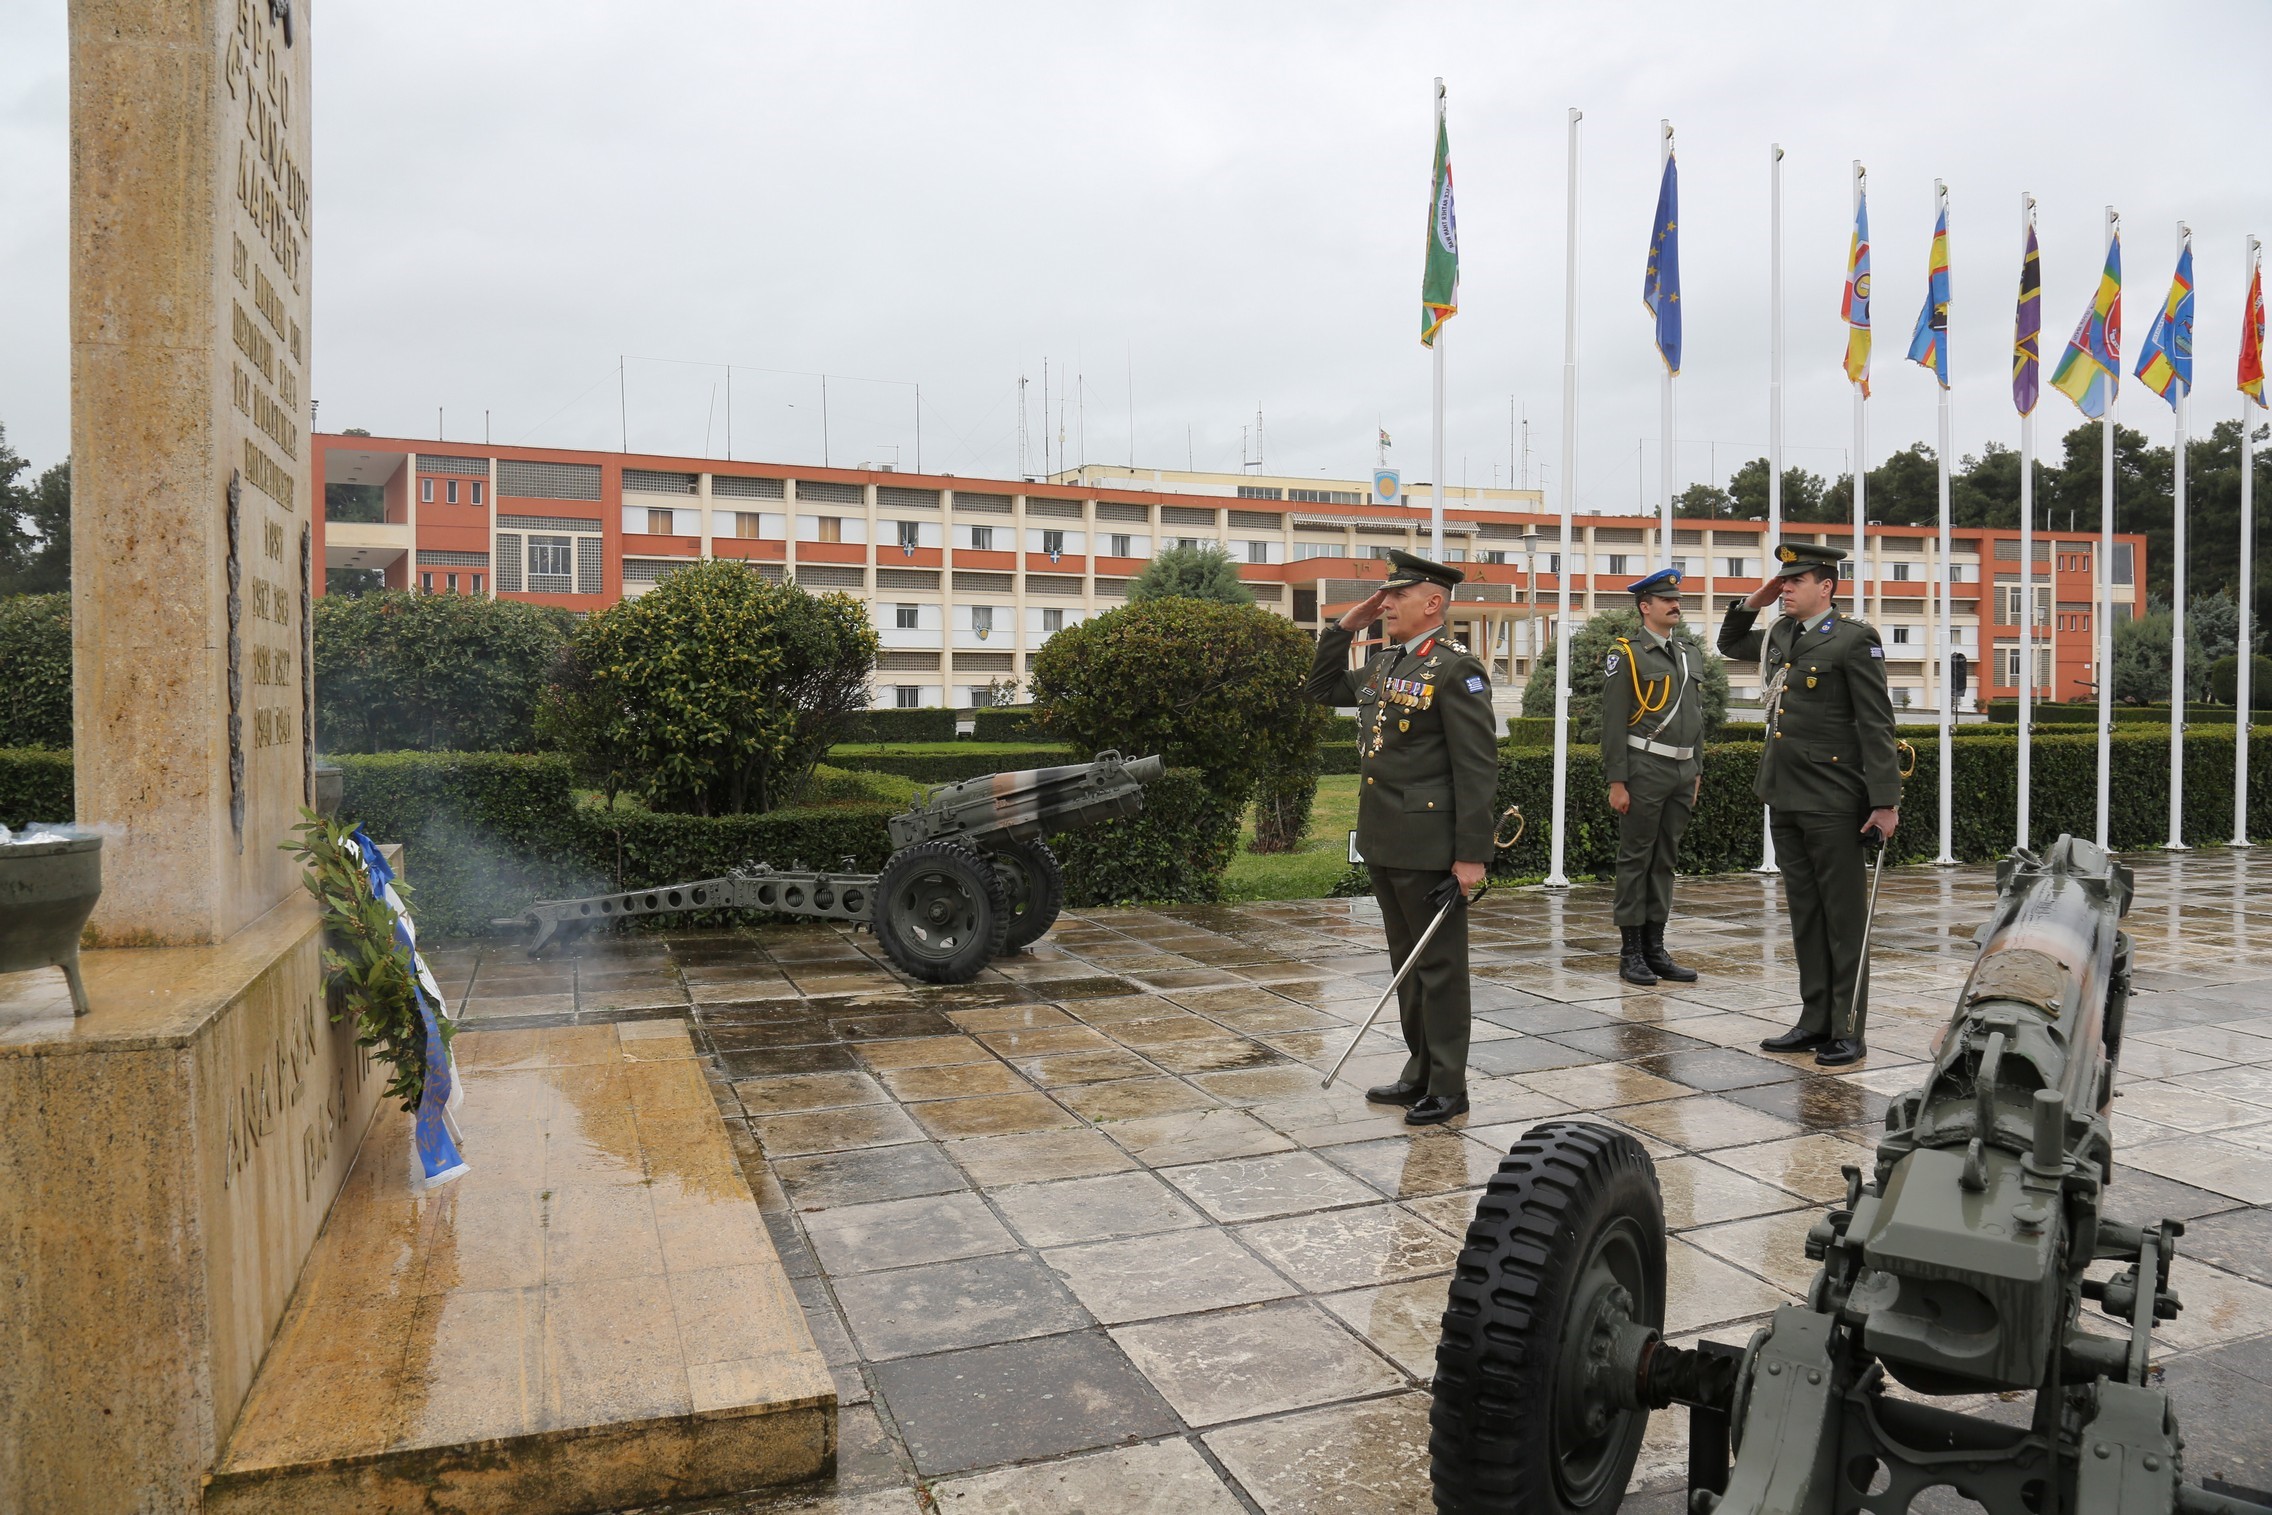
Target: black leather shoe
[(1660, 961), (1631, 965), (1396, 1094), (1797, 1039), (1839, 1053), (1436, 1109)]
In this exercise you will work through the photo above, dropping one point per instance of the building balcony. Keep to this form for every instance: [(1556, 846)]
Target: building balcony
[(365, 544)]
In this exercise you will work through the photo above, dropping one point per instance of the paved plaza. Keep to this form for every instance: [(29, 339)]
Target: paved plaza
[(1086, 1235)]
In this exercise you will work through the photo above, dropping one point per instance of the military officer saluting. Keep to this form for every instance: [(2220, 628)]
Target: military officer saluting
[(1652, 720), (1829, 773), (1427, 741)]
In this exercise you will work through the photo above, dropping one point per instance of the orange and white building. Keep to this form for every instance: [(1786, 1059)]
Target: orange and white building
[(965, 578)]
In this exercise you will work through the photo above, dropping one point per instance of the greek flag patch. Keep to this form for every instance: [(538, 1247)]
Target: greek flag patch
[(1474, 684), (1876, 651)]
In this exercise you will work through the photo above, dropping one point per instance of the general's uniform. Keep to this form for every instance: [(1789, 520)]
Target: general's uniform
[(1828, 759), (1652, 720), (1429, 764)]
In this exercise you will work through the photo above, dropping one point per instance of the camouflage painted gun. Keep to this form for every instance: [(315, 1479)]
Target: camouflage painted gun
[(969, 877), (1957, 1268)]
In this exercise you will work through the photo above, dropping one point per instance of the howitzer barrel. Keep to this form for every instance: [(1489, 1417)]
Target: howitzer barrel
[(1028, 804)]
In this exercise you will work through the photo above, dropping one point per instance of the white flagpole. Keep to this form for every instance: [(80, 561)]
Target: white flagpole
[(1948, 572), (1568, 487), (1671, 444), (2176, 842), (1861, 426), (2247, 649), (2103, 651), (1774, 417), (1436, 448), (2027, 537)]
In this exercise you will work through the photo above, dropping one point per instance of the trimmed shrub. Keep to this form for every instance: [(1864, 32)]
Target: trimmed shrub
[(1282, 805), (932, 723), (35, 670), (2085, 713), (1538, 730), (2224, 681), (35, 785), (1004, 723), (402, 672), (950, 767), (1174, 853)]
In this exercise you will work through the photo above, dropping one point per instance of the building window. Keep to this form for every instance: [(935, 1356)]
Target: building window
[(1118, 545), (2123, 573), (426, 582), (1901, 573), (982, 619), (1491, 555), (906, 696), (658, 523), (911, 534), (1733, 568), (831, 528), (1379, 552), (477, 577), (981, 537), (1259, 492), (450, 581), (746, 523), (477, 491), (1053, 543), (1680, 566), (1190, 542), (1053, 618), (1901, 636), (551, 558), (1618, 561), (1451, 555), (425, 491), (450, 491), (903, 617), (1258, 552)]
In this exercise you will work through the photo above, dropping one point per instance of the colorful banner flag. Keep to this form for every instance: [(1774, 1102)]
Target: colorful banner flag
[(434, 1134), (1439, 281), (2027, 331), (1385, 442), (1854, 309), (1929, 344), (2252, 339), (1660, 287), (2165, 363), (2090, 373)]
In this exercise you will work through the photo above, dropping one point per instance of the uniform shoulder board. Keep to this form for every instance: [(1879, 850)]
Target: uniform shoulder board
[(1457, 645)]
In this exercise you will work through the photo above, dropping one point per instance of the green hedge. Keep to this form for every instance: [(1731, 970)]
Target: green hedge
[(2085, 713), (35, 669), (1175, 852), (1535, 731), (1725, 833), (35, 785), (929, 724), (1005, 723), (948, 767)]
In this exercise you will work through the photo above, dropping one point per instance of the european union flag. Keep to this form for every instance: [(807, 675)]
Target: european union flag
[(1660, 289)]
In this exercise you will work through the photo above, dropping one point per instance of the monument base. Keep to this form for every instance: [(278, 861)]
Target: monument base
[(166, 1162), (592, 1317)]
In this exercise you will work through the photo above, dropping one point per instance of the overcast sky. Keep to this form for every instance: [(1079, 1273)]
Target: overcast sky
[(1197, 210)]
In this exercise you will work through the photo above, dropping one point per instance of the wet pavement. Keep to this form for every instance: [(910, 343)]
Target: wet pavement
[(1086, 1235)]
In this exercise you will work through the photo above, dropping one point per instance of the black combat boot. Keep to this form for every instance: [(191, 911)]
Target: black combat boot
[(1632, 965), (1660, 961)]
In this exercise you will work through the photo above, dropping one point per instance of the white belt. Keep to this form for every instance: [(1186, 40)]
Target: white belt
[(1661, 749)]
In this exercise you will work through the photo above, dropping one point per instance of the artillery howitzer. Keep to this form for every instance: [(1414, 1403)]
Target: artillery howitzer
[(1958, 1267), (969, 877)]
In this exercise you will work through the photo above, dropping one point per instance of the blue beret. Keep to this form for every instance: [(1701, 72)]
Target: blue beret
[(1663, 581)]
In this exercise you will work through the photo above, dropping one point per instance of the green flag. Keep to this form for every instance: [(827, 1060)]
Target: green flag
[(1439, 284)]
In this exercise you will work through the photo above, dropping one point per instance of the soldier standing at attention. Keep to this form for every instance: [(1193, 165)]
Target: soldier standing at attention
[(1829, 773), (1652, 719), (1428, 750)]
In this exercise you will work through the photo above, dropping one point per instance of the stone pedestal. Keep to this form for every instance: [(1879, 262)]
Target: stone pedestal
[(165, 1165)]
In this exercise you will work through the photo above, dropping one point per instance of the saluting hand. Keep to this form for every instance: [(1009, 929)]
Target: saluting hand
[(1367, 611), (1765, 595)]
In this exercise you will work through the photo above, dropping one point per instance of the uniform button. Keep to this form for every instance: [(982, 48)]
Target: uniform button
[(1368, 778), (1431, 804)]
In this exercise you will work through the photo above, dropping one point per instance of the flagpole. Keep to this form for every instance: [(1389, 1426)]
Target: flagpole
[(1861, 426), (1947, 858), (2242, 694), (1436, 449), (2180, 385), (1555, 877), (2103, 652), (1774, 417), (1671, 444), (2027, 548)]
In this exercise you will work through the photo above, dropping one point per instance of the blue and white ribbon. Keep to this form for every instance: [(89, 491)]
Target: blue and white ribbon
[(436, 1136)]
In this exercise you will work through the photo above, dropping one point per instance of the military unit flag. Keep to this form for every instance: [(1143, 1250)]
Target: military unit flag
[(2252, 339), (2091, 371), (2027, 331), (2165, 363), (1854, 309), (1439, 281), (1929, 346), (1660, 287)]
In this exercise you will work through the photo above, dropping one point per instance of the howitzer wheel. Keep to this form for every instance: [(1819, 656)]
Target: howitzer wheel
[(1567, 1250), (939, 912), (1033, 886)]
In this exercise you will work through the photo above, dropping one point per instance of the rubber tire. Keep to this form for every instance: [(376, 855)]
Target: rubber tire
[(1559, 1191), (1036, 869), (979, 882)]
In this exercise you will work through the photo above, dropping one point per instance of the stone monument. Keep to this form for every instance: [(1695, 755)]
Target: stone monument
[(167, 1159)]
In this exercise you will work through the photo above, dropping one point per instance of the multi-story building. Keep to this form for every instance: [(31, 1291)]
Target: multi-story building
[(966, 578)]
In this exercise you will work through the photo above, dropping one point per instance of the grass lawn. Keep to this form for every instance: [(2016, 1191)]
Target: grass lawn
[(1309, 873)]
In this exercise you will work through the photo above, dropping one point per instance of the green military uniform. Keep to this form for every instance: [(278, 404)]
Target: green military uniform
[(1828, 759), (1428, 755), (1652, 722)]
